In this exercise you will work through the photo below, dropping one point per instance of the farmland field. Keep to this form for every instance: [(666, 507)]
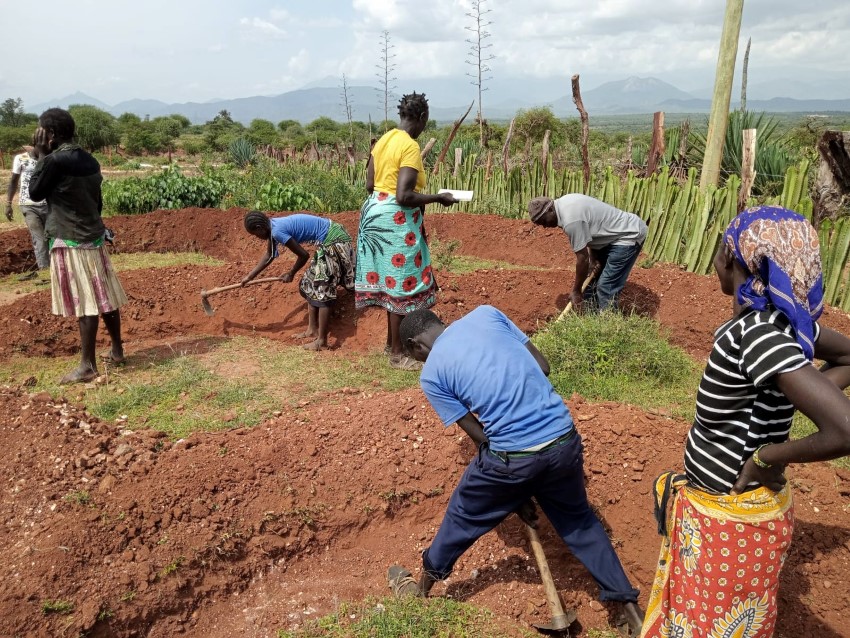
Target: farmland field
[(226, 483)]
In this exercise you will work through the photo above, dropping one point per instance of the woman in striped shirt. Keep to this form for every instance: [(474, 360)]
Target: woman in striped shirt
[(728, 522)]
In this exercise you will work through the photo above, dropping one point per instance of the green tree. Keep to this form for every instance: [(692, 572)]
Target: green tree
[(325, 131), (13, 138), (95, 128), (220, 131), (261, 132), (12, 112), (531, 125)]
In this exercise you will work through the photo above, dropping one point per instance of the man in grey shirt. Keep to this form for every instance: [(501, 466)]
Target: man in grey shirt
[(606, 241)]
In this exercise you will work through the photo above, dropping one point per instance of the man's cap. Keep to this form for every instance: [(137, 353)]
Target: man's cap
[(538, 206)]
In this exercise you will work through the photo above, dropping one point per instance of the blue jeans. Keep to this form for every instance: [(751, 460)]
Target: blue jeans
[(616, 262), (492, 488)]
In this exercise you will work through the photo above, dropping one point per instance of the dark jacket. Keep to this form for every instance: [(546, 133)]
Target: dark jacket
[(69, 179)]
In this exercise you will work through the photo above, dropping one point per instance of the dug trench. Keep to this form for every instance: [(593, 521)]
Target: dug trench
[(246, 531)]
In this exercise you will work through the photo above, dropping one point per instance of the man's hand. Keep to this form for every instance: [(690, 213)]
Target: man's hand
[(9, 211), (244, 281), (577, 300), (286, 277), (528, 513), (773, 478)]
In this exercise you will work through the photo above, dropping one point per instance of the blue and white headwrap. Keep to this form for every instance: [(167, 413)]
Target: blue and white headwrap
[(780, 250)]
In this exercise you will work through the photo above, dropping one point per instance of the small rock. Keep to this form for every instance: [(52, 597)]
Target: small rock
[(596, 606), (123, 449)]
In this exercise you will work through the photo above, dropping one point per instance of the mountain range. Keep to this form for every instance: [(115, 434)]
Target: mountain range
[(322, 98)]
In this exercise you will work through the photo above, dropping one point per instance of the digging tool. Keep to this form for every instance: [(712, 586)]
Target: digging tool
[(208, 309), (584, 286), (561, 620)]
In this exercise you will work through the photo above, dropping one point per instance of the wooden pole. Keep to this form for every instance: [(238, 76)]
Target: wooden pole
[(585, 130), (544, 160), (748, 167), (506, 149), (489, 165), (458, 160), (656, 149), (450, 138), (725, 73)]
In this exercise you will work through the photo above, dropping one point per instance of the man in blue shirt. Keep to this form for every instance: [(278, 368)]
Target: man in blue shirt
[(484, 374)]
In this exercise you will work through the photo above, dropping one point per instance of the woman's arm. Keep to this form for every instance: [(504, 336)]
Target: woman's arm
[(302, 257), (820, 399), (834, 348), (406, 196), (264, 262)]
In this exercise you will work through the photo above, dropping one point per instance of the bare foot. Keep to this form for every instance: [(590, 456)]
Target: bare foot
[(79, 375), (304, 335), (316, 345), (114, 357)]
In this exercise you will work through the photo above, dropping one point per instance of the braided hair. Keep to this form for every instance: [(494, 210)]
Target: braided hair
[(257, 220), (413, 106)]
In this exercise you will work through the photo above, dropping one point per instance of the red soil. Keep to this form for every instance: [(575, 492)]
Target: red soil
[(247, 531)]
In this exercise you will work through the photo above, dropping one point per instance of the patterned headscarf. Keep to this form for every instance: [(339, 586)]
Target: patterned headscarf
[(780, 250)]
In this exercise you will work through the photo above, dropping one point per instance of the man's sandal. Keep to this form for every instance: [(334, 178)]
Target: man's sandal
[(406, 363), (402, 582)]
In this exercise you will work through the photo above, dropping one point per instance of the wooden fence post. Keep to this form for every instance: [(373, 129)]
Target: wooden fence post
[(585, 130), (748, 167), (458, 160), (544, 160), (450, 138), (506, 149)]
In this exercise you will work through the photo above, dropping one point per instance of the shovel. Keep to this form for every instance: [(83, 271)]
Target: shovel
[(560, 623), (210, 311)]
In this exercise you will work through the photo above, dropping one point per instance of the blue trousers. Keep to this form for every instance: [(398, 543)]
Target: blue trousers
[(491, 488), (616, 262)]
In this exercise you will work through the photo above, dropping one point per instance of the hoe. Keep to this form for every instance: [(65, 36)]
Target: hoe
[(210, 311)]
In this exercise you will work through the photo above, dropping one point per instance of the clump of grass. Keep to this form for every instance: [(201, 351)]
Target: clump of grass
[(615, 357), (56, 607), (80, 497), (408, 616), (137, 261)]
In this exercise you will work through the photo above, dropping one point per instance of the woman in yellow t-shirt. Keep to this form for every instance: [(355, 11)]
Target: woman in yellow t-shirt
[(393, 262)]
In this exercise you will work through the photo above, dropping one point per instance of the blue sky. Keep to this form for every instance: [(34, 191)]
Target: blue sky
[(195, 50)]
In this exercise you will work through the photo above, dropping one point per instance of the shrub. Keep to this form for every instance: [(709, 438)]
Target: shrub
[(166, 189), (242, 152), (275, 196)]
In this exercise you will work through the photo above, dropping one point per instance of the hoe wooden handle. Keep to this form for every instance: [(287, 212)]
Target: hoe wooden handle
[(559, 618), (264, 280)]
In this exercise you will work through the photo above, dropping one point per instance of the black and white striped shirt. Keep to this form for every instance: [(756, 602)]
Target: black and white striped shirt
[(739, 407)]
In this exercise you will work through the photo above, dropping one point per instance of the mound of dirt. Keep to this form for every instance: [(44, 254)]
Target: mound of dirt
[(247, 531)]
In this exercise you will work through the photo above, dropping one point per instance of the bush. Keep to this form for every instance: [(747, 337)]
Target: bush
[(277, 197), (241, 152), (167, 189), (615, 357)]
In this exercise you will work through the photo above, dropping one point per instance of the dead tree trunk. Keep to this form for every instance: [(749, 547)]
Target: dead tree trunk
[(506, 149), (656, 149), (585, 130), (744, 75), (449, 139), (427, 148), (832, 185), (748, 167), (489, 165), (458, 161)]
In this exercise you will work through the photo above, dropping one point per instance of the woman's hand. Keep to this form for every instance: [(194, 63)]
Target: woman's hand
[(41, 142), (245, 280), (287, 277), (773, 478), (446, 199)]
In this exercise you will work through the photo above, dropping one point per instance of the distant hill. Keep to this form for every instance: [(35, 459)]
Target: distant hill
[(449, 99)]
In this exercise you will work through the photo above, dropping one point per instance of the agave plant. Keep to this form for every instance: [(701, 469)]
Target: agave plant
[(242, 152), (772, 156)]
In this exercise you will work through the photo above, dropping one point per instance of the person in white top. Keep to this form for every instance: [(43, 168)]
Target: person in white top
[(35, 213)]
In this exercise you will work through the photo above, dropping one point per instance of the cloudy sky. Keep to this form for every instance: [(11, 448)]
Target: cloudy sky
[(197, 50)]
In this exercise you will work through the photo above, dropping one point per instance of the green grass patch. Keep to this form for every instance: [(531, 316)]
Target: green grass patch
[(234, 383), (409, 616), (138, 261), (444, 256), (56, 607), (802, 426), (11, 287), (616, 357)]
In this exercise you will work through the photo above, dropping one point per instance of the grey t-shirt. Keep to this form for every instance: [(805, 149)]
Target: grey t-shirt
[(589, 222)]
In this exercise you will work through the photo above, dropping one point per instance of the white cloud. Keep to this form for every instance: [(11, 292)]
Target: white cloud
[(259, 27)]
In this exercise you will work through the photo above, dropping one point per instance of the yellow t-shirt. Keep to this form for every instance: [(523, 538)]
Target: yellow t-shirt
[(394, 150)]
